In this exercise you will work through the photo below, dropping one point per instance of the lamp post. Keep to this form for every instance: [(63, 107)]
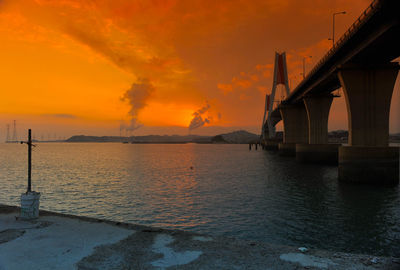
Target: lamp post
[(29, 199), (304, 65), (29, 143), (333, 25)]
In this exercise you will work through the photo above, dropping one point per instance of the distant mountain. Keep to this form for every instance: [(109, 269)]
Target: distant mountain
[(218, 139), (338, 136), (341, 136), (169, 139), (84, 138), (240, 136), (394, 137), (142, 139)]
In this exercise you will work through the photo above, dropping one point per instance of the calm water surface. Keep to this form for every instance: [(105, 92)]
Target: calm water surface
[(214, 189)]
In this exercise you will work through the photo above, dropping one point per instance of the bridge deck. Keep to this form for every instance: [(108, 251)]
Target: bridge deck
[(372, 39)]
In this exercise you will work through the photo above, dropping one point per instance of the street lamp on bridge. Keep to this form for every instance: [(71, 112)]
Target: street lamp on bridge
[(333, 26)]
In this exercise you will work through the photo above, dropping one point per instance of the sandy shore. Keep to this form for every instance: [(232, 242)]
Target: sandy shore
[(57, 241)]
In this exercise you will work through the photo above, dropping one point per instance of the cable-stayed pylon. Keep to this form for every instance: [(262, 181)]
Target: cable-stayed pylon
[(280, 77)]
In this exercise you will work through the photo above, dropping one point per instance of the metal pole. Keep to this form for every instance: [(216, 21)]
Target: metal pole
[(333, 25), (29, 160), (333, 30)]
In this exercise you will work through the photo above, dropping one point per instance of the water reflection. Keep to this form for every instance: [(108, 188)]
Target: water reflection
[(215, 189), (370, 217)]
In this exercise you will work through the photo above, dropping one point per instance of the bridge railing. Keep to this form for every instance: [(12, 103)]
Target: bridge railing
[(368, 12)]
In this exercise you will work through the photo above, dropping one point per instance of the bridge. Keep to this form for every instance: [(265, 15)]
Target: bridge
[(361, 62)]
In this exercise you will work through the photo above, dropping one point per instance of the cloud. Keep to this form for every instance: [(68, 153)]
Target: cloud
[(266, 70), (243, 83), (137, 97), (260, 76), (225, 88), (311, 55), (198, 120), (249, 83), (221, 51)]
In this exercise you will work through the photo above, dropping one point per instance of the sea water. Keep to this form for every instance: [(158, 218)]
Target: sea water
[(214, 189)]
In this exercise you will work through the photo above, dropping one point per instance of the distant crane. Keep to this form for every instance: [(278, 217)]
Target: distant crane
[(14, 137), (8, 133)]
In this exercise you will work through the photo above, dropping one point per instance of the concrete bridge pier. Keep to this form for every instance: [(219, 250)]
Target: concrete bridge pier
[(317, 150), (295, 128), (368, 92), (272, 144)]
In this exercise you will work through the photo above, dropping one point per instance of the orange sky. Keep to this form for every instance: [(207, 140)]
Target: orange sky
[(84, 67)]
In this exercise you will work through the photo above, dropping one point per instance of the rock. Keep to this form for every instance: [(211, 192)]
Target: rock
[(303, 249), (374, 260)]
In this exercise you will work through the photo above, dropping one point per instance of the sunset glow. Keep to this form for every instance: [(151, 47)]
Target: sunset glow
[(66, 65)]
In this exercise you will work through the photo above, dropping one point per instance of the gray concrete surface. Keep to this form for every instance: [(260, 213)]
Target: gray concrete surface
[(57, 241)]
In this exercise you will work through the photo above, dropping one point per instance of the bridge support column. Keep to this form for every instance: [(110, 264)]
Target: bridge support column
[(295, 128), (272, 144), (368, 158), (318, 150)]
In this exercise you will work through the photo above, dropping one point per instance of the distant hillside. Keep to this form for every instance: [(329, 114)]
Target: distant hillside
[(394, 137), (341, 136), (240, 136), (168, 139), (338, 136), (141, 139), (84, 138)]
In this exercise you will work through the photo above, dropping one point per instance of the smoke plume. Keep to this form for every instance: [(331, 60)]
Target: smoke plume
[(198, 120), (137, 97)]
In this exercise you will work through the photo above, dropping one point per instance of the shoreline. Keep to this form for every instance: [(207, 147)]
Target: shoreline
[(108, 244)]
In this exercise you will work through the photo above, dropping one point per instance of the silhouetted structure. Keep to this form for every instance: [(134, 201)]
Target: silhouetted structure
[(360, 62), (8, 133), (14, 137)]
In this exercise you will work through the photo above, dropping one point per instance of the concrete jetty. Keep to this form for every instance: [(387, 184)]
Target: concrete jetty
[(59, 241)]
